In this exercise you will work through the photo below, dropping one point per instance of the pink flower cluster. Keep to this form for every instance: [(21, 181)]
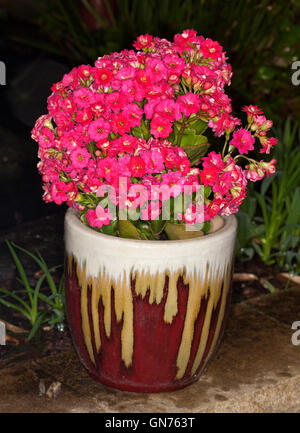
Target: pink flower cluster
[(123, 118)]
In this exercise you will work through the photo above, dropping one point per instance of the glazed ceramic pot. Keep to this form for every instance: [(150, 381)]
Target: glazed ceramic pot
[(147, 316)]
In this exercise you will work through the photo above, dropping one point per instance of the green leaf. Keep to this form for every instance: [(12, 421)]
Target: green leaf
[(37, 323), (194, 145), (128, 230), (15, 307), (179, 231), (199, 126), (157, 225), (111, 229), (20, 268), (137, 132), (207, 191), (16, 297), (145, 230), (195, 153), (188, 138), (270, 286), (41, 262)]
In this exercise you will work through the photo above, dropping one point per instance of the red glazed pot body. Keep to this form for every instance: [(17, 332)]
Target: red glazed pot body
[(147, 316)]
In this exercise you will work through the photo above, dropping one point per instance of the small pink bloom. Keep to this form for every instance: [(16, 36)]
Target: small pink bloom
[(120, 123), (210, 48), (252, 111), (209, 175), (189, 103), (98, 217), (153, 160), (269, 167), (79, 157), (84, 116), (99, 129), (85, 71), (242, 140), (134, 114), (223, 184), (254, 172), (143, 41), (169, 109), (103, 76), (137, 166), (267, 144), (61, 191), (161, 127)]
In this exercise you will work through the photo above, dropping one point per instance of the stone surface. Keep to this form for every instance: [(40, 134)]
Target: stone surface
[(256, 369)]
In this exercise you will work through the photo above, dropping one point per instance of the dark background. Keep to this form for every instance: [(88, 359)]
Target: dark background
[(42, 40)]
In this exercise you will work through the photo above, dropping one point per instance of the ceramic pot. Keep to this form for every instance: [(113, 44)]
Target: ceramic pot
[(147, 316)]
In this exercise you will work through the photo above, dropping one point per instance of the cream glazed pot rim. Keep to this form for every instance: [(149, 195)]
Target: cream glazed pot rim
[(76, 230)]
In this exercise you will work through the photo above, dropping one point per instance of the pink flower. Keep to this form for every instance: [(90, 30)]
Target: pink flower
[(99, 129), (84, 116), (210, 48), (153, 160), (157, 68), (209, 175), (252, 111), (189, 103), (60, 191), (242, 140), (226, 122), (138, 195), (120, 123), (151, 212), (45, 138), (103, 76), (143, 41), (213, 208), (185, 40), (175, 63), (215, 159), (261, 123), (254, 172), (98, 217), (223, 183), (83, 97), (107, 168), (150, 106), (84, 71), (161, 127), (127, 143), (79, 157), (134, 114), (267, 144), (171, 157), (132, 90), (137, 166), (269, 167), (169, 109), (116, 101)]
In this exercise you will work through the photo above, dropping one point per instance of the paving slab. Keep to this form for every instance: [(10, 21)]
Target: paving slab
[(256, 369)]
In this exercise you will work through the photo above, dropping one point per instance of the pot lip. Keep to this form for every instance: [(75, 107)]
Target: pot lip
[(71, 218)]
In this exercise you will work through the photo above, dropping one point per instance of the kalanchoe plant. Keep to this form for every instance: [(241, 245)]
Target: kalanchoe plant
[(126, 138)]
